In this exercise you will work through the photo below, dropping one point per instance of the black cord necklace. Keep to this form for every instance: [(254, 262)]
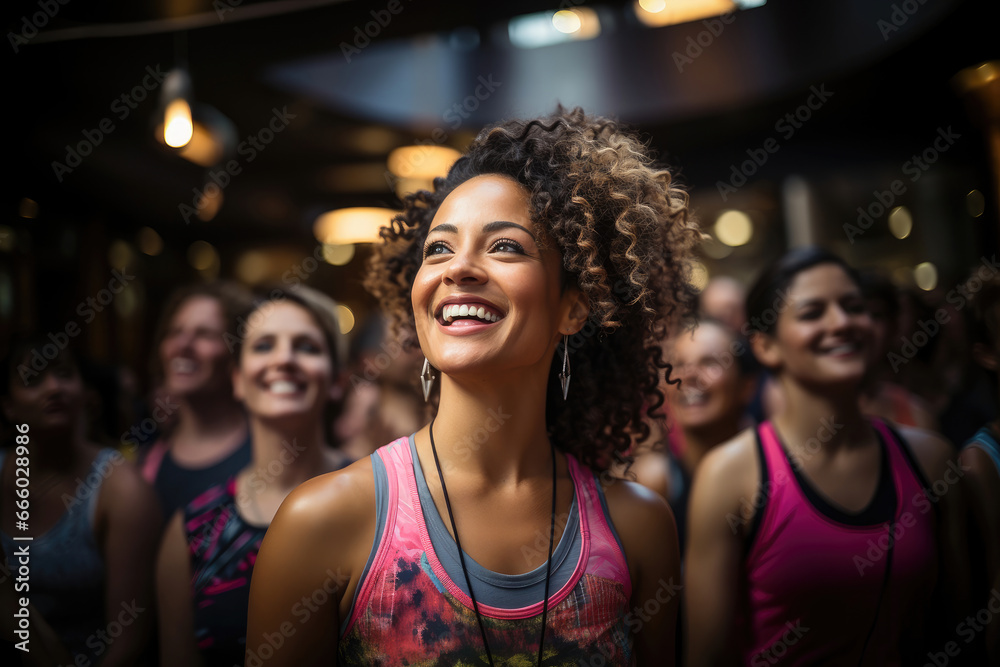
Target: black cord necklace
[(461, 554)]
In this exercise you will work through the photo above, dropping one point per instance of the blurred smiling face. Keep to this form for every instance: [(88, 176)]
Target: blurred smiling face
[(711, 387), (824, 335), (193, 354), (285, 368)]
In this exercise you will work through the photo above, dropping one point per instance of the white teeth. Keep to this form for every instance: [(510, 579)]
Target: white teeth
[(283, 387), (182, 365), (450, 312)]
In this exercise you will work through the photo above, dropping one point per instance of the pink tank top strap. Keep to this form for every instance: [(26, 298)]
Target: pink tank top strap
[(154, 457), (394, 455)]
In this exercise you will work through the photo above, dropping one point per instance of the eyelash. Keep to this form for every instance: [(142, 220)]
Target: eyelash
[(511, 242), (517, 247)]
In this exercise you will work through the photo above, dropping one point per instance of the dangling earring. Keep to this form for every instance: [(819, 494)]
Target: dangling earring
[(427, 379), (564, 376)]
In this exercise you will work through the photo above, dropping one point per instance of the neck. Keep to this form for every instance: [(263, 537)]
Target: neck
[(493, 432), (205, 418), (283, 456), (831, 418), (698, 441), (57, 450)]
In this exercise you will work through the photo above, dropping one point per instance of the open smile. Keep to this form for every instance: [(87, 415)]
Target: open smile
[(466, 312)]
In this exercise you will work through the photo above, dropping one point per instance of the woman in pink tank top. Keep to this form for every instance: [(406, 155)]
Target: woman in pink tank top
[(537, 279), (821, 537)]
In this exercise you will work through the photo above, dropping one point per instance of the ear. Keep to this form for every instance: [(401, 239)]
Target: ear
[(765, 348), (577, 310), (985, 356), (238, 387)]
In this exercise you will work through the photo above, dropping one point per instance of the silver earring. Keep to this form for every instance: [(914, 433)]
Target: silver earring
[(427, 379), (564, 376)]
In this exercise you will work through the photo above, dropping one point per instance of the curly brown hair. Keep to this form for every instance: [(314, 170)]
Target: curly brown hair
[(626, 237)]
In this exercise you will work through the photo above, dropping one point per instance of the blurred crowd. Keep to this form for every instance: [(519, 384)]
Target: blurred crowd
[(147, 505)]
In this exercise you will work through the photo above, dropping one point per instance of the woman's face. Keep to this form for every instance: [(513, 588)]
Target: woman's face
[(50, 401), (824, 334), (285, 368), (487, 296), (711, 387), (194, 356)]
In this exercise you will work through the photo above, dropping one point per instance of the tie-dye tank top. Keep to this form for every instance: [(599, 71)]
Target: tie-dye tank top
[(409, 610)]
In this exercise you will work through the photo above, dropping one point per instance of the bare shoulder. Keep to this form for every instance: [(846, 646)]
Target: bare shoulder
[(733, 465), (122, 487), (344, 500), (932, 451), (652, 470)]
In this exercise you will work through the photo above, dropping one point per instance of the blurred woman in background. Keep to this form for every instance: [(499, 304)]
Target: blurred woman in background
[(206, 439), (95, 523), (286, 376), (815, 537)]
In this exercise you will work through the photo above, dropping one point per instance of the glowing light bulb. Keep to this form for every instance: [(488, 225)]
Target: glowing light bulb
[(178, 128)]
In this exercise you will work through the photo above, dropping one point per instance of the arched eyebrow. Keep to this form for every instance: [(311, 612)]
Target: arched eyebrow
[(489, 227)]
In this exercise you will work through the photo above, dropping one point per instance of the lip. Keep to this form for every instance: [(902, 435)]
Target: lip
[(856, 348), (467, 299), (285, 386), (55, 407), (183, 366)]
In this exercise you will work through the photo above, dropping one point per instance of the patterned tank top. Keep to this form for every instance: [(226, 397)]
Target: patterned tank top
[(823, 586), (409, 610)]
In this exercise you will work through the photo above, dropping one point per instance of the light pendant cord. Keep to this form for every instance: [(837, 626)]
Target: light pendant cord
[(461, 553)]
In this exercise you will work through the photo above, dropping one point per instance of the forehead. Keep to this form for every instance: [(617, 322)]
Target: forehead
[(276, 317), (824, 281), (199, 310), (485, 199), (705, 339)]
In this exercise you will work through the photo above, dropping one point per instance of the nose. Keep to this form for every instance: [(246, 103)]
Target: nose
[(283, 354), (838, 318), (464, 268)]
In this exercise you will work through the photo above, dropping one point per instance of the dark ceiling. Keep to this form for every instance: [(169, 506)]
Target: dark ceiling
[(247, 59)]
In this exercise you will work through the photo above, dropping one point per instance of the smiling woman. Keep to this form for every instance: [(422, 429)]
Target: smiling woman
[(554, 251), (840, 519), (286, 375)]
